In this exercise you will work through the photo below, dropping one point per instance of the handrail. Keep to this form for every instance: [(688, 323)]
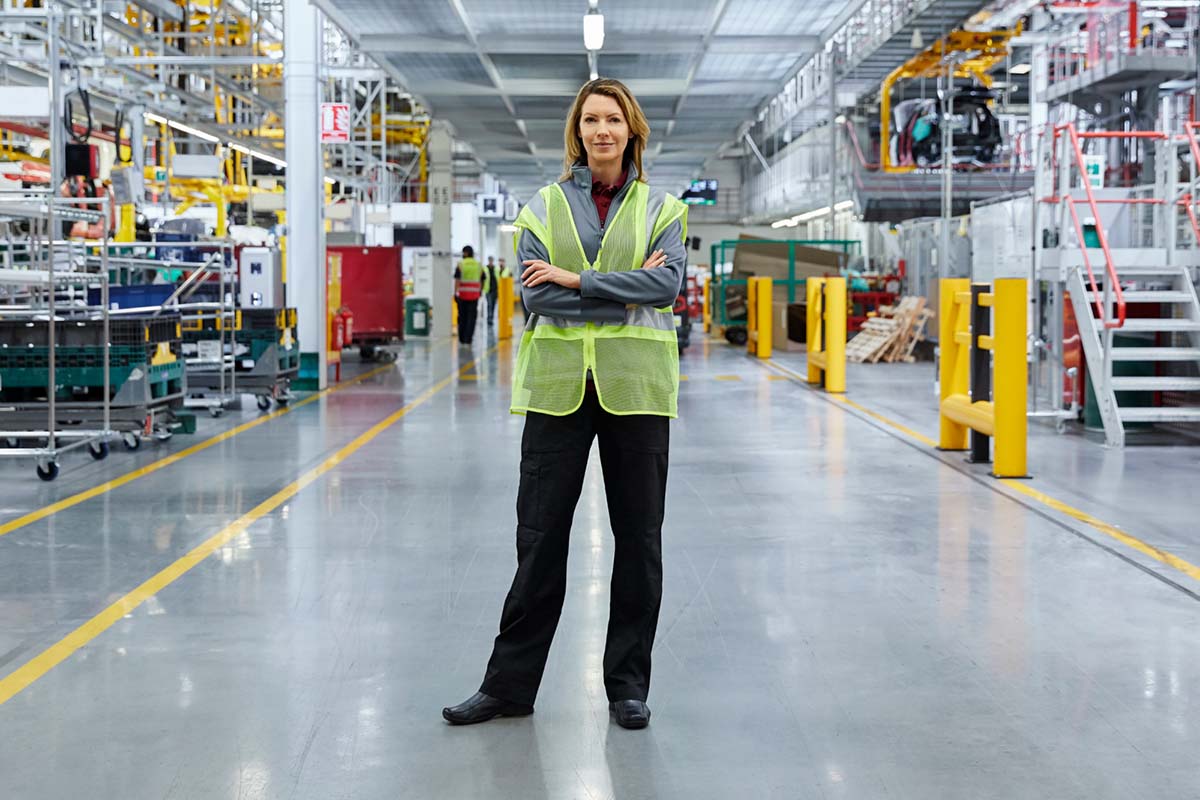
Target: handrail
[(1110, 267), (1189, 201)]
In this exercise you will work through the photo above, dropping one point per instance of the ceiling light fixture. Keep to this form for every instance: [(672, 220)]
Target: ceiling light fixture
[(1020, 69), (593, 27)]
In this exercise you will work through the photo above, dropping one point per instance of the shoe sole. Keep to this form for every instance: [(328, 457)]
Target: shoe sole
[(513, 713)]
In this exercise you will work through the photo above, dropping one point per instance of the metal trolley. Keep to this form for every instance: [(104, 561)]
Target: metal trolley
[(43, 302)]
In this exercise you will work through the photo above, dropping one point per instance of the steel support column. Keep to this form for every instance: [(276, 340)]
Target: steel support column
[(305, 179), (441, 195)]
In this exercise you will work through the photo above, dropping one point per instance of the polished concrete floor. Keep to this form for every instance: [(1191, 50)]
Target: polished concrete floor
[(845, 616)]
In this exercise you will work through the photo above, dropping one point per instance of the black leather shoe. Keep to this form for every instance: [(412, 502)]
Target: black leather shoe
[(481, 707), (631, 714)]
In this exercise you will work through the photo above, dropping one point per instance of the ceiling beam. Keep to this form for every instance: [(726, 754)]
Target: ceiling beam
[(490, 68), (573, 44), (718, 15), (568, 87)]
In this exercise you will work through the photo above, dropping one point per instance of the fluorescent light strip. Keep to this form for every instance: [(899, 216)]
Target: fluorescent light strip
[(241, 148)]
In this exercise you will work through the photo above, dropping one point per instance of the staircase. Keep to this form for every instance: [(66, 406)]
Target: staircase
[(1165, 317)]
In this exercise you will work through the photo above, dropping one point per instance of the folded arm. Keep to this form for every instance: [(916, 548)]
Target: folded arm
[(552, 300), (651, 287)]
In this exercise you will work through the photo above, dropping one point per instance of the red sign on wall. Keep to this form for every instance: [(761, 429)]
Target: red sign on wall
[(335, 123)]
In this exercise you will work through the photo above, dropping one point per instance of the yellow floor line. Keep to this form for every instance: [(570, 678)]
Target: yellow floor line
[(1158, 554), (61, 650), (1023, 488), (174, 458), (728, 377)]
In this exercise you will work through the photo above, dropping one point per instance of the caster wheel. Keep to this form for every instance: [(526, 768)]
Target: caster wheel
[(282, 401), (98, 451), (737, 336), (367, 353), (264, 402), (217, 412), (131, 441), (1060, 426), (47, 472)]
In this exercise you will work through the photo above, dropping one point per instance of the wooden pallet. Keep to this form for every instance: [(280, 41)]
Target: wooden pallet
[(893, 334)]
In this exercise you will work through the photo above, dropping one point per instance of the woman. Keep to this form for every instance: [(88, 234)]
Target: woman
[(598, 359)]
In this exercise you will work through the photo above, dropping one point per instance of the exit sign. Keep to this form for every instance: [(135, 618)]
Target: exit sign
[(335, 123)]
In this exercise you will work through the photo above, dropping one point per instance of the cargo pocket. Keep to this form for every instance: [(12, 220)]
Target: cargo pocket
[(528, 496)]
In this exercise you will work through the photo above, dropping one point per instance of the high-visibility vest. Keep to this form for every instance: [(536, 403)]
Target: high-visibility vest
[(470, 280), (634, 363)]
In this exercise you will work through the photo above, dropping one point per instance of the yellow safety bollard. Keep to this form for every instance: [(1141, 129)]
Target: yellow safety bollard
[(706, 315), (1002, 416), (504, 302), (758, 316), (126, 223), (1010, 375), (953, 366), (826, 339)]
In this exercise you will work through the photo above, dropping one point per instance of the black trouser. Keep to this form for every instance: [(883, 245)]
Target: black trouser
[(492, 299), (468, 312), (554, 456)]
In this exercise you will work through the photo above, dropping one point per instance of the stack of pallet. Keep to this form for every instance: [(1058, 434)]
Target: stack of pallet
[(892, 334)]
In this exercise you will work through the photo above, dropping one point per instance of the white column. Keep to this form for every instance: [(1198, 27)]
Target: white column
[(441, 195), (304, 186)]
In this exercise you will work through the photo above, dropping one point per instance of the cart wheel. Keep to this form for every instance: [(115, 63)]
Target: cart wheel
[(282, 400), (738, 336), (367, 352), (48, 472), (216, 411), (132, 441), (264, 402), (1060, 426), (98, 451)]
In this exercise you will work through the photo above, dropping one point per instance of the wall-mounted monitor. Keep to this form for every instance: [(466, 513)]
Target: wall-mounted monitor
[(701, 193)]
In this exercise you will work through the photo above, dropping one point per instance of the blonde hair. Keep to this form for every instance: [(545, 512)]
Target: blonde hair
[(639, 128)]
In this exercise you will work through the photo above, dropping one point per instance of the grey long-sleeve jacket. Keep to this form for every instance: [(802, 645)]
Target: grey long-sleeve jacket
[(602, 296)]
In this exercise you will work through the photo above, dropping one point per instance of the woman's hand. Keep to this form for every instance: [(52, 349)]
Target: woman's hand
[(656, 259), (538, 272)]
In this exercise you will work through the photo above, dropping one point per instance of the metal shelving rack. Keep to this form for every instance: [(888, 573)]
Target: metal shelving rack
[(44, 213)]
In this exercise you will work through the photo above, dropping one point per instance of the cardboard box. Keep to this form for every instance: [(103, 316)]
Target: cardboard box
[(771, 260)]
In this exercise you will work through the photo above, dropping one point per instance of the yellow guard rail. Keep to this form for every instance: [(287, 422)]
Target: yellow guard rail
[(826, 339), (982, 376)]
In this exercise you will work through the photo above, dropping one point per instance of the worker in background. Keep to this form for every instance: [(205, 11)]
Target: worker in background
[(597, 361), (468, 286), (491, 287)]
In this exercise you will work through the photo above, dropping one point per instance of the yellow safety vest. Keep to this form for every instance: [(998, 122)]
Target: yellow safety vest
[(634, 363), (470, 279)]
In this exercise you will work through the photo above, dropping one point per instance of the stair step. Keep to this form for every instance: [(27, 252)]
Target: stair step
[(1155, 354), (1156, 383), (1148, 297), (1161, 325), (1159, 414)]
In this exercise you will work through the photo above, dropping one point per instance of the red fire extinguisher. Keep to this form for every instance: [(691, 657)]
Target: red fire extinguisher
[(338, 333), (347, 326)]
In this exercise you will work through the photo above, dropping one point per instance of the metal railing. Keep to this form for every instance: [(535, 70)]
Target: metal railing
[(1106, 38), (1071, 137)]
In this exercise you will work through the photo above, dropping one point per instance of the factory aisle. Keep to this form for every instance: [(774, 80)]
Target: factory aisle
[(843, 616)]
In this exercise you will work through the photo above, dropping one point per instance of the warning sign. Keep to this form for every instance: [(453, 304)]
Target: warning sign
[(335, 123)]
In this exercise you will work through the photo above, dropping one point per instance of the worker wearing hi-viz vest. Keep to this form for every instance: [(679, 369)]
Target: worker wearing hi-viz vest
[(603, 261), (468, 288)]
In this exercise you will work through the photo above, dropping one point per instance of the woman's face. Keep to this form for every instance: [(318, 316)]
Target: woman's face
[(603, 129)]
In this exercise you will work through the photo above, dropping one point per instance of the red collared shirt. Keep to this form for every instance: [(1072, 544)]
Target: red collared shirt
[(603, 195)]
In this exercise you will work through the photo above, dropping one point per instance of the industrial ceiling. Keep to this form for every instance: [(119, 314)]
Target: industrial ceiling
[(504, 72)]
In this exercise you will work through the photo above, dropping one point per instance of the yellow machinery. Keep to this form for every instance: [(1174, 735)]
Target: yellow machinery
[(982, 377), (973, 54), (826, 332), (758, 317)]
